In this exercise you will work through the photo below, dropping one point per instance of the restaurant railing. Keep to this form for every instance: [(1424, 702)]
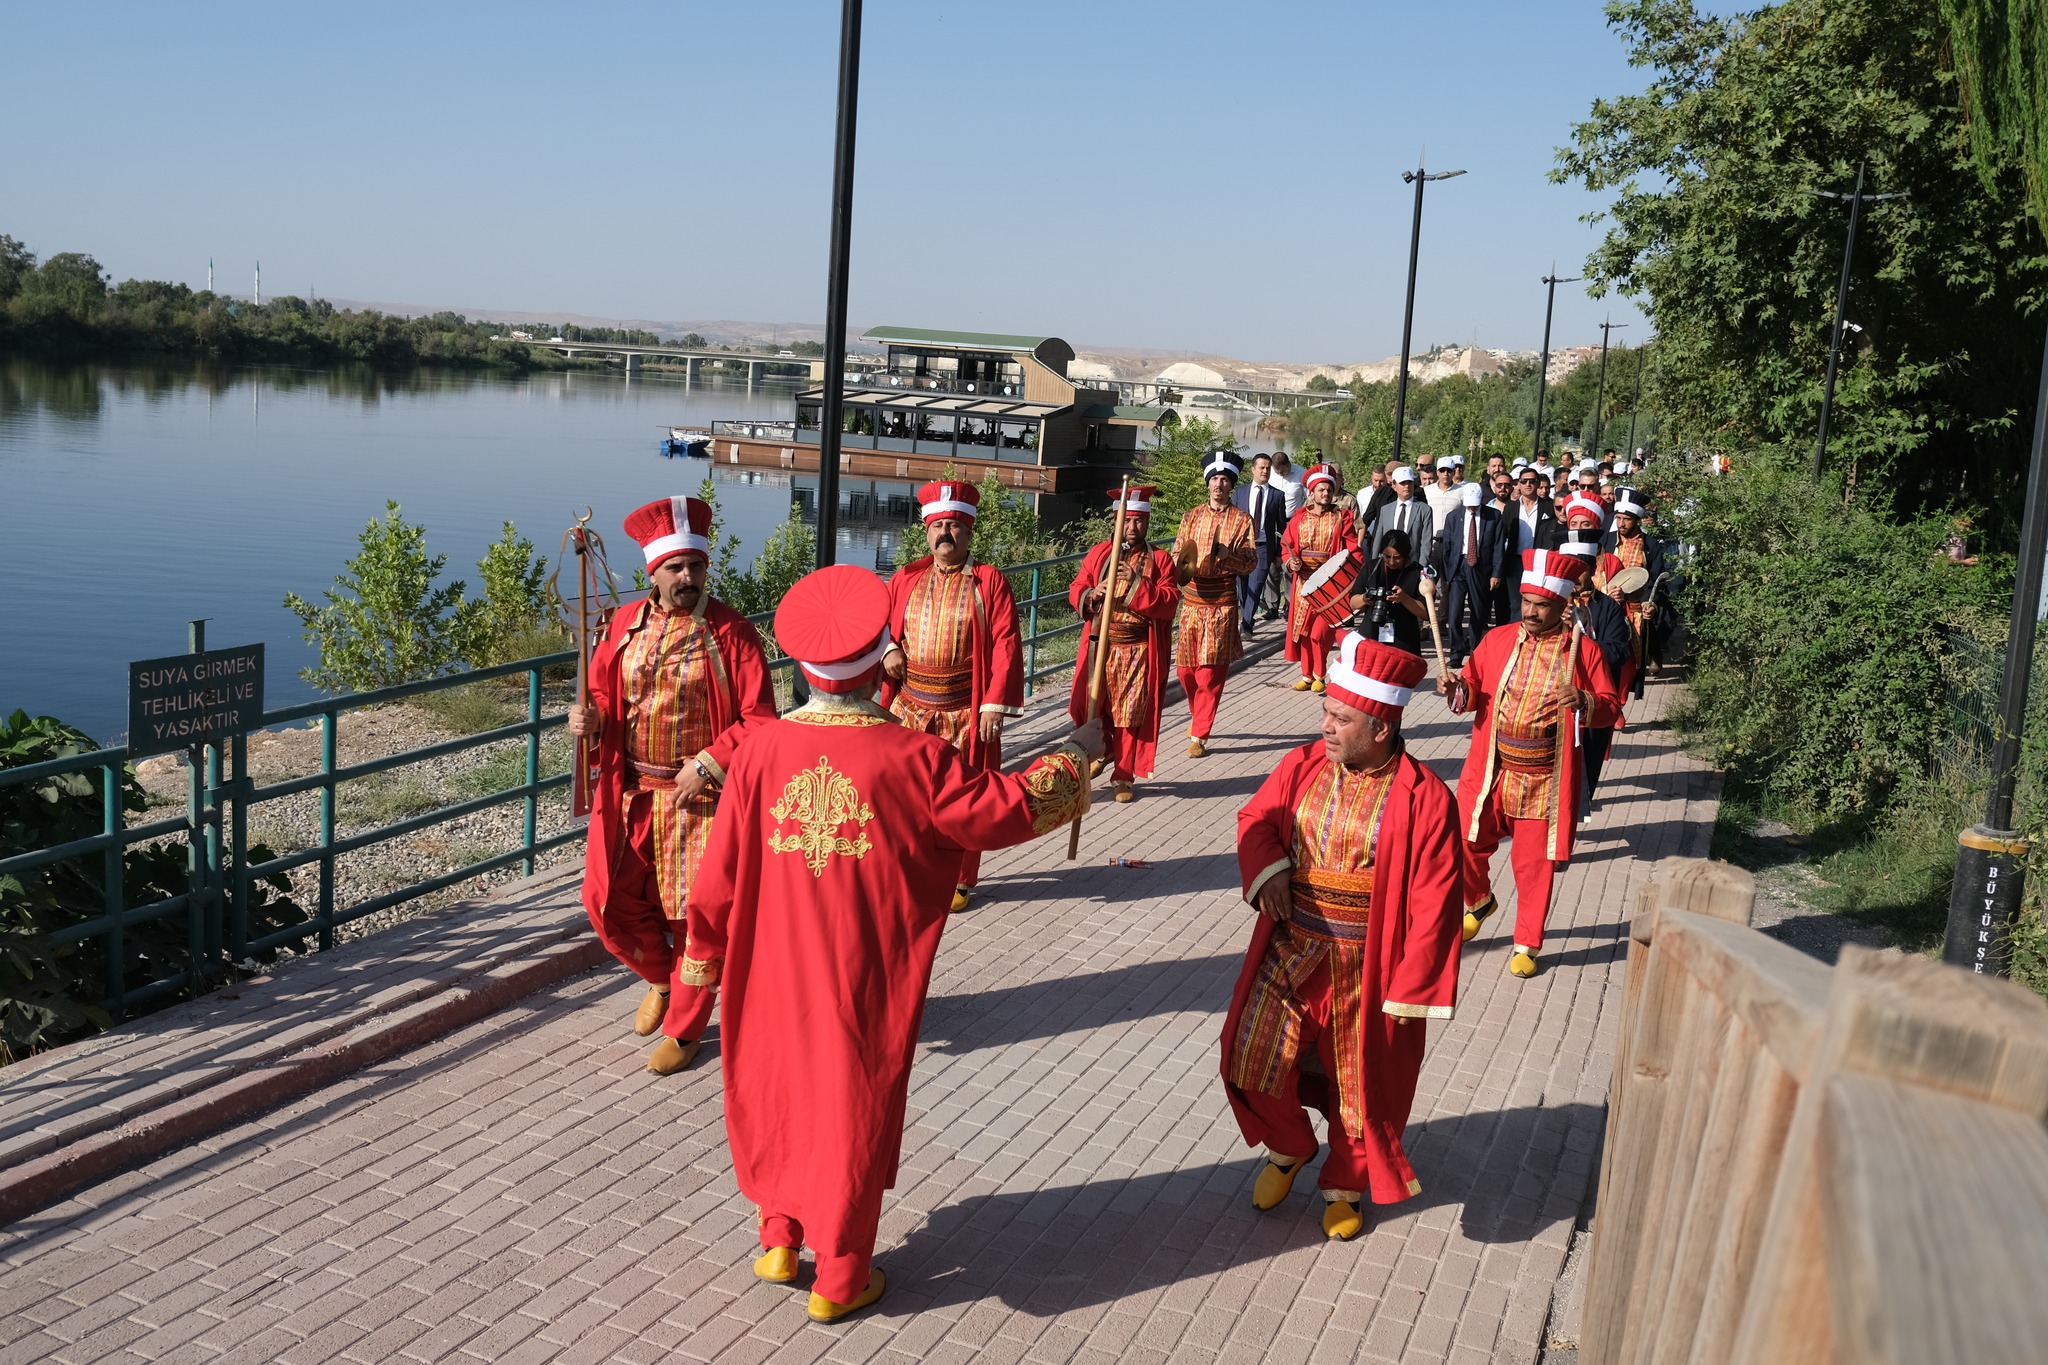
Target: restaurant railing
[(220, 796)]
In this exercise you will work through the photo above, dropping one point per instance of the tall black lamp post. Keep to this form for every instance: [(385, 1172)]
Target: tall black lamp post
[(832, 418), (1857, 199), (1417, 177), (1607, 330), (1551, 283), (1991, 862)]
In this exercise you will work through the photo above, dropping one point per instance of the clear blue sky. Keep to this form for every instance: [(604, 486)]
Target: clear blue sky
[(1214, 177)]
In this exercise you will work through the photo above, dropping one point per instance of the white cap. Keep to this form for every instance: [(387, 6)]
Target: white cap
[(1404, 474), (1468, 493)]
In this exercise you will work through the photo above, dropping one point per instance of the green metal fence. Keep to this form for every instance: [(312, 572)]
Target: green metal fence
[(221, 795)]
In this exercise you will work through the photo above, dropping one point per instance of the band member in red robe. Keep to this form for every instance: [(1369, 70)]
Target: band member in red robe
[(1350, 854), (817, 912), (1532, 687), (1318, 533), (1140, 638), (678, 678), (956, 669), (1213, 548)]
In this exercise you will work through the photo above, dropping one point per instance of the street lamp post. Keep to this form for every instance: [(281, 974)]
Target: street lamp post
[(832, 418), (1857, 199), (1635, 403), (1607, 329), (1417, 177), (1992, 857), (1543, 366)]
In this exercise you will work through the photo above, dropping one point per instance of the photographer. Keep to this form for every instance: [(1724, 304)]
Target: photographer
[(1387, 604)]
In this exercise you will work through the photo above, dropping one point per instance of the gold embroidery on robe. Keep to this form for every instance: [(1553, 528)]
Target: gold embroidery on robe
[(1057, 789), (823, 802), (693, 971)]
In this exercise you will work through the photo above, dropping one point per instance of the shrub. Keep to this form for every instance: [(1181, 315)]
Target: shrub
[(385, 621), (1822, 638), (515, 612), (49, 993)]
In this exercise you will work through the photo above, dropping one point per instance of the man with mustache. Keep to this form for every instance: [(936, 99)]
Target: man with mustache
[(956, 667), (1532, 687), (676, 682), (1213, 547), (1140, 638), (1350, 854)]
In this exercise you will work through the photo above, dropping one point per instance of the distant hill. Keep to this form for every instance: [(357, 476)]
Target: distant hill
[(1100, 362)]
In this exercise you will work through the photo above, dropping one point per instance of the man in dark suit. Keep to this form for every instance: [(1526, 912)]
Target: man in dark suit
[(1533, 525), (1266, 504), (1469, 566)]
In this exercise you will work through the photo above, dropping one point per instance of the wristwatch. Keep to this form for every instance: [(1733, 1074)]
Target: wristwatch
[(703, 771)]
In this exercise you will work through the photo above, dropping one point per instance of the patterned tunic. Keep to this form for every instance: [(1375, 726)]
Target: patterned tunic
[(1525, 725), (1632, 553), (1126, 683), (1319, 534), (666, 669), (938, 656), (1337, 824), (1207, 632)]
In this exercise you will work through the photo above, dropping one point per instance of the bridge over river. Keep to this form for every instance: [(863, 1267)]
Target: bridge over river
[(438, 1143)]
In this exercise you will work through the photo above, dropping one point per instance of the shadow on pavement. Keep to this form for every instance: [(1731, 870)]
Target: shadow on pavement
[(955, 1024), (1048, 1251)]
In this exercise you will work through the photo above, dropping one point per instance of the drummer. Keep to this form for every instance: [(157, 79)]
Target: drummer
[(1320, 540)]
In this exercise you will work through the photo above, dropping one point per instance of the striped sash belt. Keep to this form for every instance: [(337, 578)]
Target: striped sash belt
[(939, 689), (1210, 591), (1528, 753), (1331, 905)]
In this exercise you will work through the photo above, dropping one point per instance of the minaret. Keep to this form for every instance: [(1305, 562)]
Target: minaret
[(209, 274), (259, 284)]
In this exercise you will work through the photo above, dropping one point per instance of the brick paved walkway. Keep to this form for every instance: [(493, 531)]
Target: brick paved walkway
[(1073, 1187)]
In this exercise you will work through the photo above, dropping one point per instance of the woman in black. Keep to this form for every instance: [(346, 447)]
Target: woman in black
[(1387, 603)]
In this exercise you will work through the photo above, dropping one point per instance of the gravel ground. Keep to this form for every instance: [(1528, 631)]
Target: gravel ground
[(289, 824), (1781, 912)]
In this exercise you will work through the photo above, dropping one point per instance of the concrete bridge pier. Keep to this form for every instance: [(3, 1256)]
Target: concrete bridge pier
[(692, 370), (633, 364), (756, 371)]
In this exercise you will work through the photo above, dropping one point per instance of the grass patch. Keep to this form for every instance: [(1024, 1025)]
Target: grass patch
[(474, 708), (383, 798), (505, 768)]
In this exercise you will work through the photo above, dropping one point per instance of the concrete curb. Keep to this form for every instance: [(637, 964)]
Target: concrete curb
[(43, 1180)]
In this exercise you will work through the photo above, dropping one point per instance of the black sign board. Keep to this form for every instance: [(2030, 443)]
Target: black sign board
[(191, 699)]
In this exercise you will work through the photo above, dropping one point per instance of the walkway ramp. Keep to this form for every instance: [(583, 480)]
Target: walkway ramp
[(1073, 1188)]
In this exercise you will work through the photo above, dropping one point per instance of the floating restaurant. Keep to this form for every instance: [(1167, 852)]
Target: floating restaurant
[(975, 405)]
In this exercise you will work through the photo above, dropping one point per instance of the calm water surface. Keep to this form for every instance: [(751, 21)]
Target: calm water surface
[(133, 499)]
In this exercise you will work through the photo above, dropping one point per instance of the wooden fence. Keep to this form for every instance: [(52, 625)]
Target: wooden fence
[(1806, 1164)]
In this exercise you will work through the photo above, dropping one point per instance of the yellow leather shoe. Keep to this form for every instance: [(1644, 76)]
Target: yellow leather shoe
[(1123, 793), (1477, 916), (653, 1006), (1522, 964), (1196, 748), (960, 899), (1316, 686), (1343, 1220), (1095, 768), (823, 1309), (1274, 1182), (777, 1265), (1301, 684), (670, 1056)]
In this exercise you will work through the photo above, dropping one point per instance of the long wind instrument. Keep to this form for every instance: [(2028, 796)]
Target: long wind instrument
[(1098, 661), (592, 571)]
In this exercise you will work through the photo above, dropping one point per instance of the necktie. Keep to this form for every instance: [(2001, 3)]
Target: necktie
[(1471, 537)]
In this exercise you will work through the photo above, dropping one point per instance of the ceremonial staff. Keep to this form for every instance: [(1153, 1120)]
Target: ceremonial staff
[(591, 570), (1442, 659), (1098, 663)]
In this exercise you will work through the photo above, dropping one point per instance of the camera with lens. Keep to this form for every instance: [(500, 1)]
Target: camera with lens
[(1376, 612)]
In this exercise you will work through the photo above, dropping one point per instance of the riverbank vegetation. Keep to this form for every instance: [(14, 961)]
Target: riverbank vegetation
[(68, 308), (1844, 660)]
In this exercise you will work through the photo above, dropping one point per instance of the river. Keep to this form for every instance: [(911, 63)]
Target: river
[(138, 497)]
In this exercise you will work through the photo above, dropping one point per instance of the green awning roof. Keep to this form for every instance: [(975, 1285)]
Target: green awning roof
[(927, 336)]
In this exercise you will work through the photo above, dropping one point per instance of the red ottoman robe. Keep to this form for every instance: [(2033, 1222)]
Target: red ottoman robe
[(1314, 538), (741, 697), (1155, 598), (1411, 957), (818, 909), (1483, 679)]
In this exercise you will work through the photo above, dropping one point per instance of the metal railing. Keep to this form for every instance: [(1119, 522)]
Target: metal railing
[(215, 826)]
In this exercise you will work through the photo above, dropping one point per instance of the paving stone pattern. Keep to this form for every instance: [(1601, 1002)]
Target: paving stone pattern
[(1073, 1187)]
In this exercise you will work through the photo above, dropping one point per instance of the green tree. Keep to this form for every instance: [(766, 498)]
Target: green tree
[(17, 262), (1174, 466), (1715, 227), (790, 552), (725, 546), (512, 619), (71, 280), (385, 621), (1320, 383)]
